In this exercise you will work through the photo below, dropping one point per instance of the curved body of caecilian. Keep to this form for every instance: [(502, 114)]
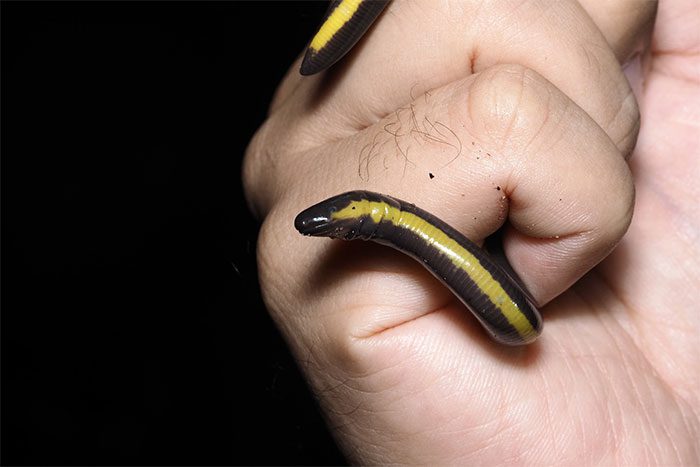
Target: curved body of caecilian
[(496, 299)]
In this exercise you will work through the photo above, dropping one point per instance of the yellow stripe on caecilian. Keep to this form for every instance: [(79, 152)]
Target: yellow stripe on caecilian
[(336, 20), (460, 256)]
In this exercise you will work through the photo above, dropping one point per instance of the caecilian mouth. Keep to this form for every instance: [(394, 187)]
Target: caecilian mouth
[(314, 221), (314, 226)]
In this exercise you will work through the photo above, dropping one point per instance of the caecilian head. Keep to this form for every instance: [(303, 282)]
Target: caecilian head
[(347, 216)]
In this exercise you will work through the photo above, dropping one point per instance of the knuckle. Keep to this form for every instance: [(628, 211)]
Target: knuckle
[(509, 103), (250, 172), (258, 169), (272, 154)]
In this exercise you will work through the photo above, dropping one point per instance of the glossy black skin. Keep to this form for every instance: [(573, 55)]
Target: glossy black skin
[(344, 40), (316, 221)]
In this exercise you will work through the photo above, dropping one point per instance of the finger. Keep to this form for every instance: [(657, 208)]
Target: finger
[(422, 45), (625, 24), (504, 143)]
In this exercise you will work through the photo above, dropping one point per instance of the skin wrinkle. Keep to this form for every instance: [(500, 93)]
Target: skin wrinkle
[(495, 432), (587, 444), (504, 421), (595, 65), (614, 428), (673, 208), (633, 129), (677, 399), (534, 134), (462, 432), (622, 296), (369, 442), (525, 435), (291, 131), (515, 113), (517, 33), (344, 383), (568, 109), (664, 428), (656, 68), (407, 433), (384, 329), (514, 432), (488, 443), (339, 428), (529, 448), (352, 411), (374, 375), (572, 375), (349, 424), (328, 393), (693, 430), (610, 421), (586, 378), (627, 366), (611, 425)]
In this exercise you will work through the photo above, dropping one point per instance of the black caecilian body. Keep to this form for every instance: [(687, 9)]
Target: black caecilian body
[(344, 24), (499, 303)]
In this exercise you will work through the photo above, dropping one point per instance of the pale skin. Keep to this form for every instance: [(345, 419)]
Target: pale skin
[(522, 114)]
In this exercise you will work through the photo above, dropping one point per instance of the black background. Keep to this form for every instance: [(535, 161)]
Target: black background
[(132, 327)]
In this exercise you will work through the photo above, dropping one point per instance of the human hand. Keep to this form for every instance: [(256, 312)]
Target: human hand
[(530, 99)]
